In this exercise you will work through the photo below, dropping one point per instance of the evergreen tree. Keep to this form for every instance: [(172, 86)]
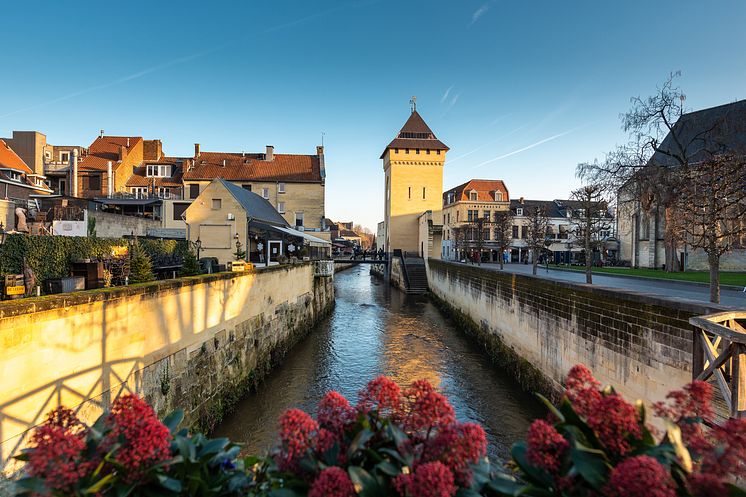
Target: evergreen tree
[(190, 265), (141, 268), (240, 253)]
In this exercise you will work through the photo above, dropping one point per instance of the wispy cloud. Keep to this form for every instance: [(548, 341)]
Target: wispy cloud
[(528, 147), (451, 104), (181, 60), (483, 145), (479, 13), (445, 95)]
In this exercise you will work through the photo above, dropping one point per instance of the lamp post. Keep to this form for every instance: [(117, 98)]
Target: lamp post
[(547, 244), (197, 246), (3, 233)]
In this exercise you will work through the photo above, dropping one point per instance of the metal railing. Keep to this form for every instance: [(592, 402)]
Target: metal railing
[(719, 351)]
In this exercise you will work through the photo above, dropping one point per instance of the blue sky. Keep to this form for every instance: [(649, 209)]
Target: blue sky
[(520, 91)]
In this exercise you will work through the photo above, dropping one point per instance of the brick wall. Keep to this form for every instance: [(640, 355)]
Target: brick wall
[(539, 328)]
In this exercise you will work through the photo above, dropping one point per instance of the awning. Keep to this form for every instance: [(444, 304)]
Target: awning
[(128, 201), (312, 240), (257, 225)]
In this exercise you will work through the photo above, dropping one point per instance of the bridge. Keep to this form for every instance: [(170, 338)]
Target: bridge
[(362, 261)]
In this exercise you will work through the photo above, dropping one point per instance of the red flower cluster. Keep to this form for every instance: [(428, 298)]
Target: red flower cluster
[(426, 408), (432, 479), (298, 433), (640, 475), (582, 389), (546, 447), (334, 412), (332, 482), (58, 451), (144, 440), (382, 394), (689, 409)]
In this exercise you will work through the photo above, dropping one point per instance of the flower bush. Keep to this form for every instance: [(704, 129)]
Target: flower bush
[(595, 443), (399, 442)]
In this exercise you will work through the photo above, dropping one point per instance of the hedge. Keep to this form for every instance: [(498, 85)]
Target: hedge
[(51, 256)]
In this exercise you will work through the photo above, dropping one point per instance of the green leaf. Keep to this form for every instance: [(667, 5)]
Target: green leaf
[(169, 483), (467, 492), (387, 468), (551, 407), (213, 447), (96, 487), (532, 473), (366, 485), (34, 485), (591, 465), (734, 491), (359, 441), (673, 433), (284, 492), (504, 486), (396, 434), (173, 420)]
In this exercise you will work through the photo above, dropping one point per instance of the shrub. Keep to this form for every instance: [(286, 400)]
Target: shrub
[(141, 267), (190, 265)]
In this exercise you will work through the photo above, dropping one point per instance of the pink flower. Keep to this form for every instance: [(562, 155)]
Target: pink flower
[(706, 485), (144, 440), (57, 455), (616, 424), (432, 479), (582, 389), (426, 408), (458, 446), (325, 440), (335, 412), (332, 482), (546, 447), (297, 430), (382, 394), (638, 476), (689, 409)]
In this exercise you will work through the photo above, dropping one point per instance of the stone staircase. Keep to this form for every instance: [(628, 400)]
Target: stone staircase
[(416, 275)]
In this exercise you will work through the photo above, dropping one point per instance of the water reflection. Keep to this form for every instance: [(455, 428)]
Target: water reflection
[(375, 330)]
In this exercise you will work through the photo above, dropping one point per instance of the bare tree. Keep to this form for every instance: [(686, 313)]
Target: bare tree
[(459, 235), (476, 229), (589, 219), (503, 231), (536, 232), (713, 200)]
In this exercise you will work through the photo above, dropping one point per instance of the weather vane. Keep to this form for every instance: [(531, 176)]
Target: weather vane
[(413, 103)]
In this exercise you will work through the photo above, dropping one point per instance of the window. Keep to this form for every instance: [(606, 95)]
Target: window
[(448, 216), (473, 196), (524, 231), (423, 193), (427, 151), (396, 150), (406, 150), (139, 192), (298, 219), (281, 207), (265, 192), (281, 188), (417, 151), (519, 211), (158, 170), (486, 216), (471, 215), (193, 190), (437, 152), (179, 210), (92, 182), (48, 155), (515, 231), (246, 187), (13, 175), (498, 196), (65, 156), (486, 234), (164, 192), (409, 193), (217, 204)]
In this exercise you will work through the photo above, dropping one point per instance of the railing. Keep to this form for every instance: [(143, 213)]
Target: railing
[(719, 350), (323, 268)]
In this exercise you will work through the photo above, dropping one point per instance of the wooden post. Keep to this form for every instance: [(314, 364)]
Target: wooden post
[(698, 354), (738, 382)]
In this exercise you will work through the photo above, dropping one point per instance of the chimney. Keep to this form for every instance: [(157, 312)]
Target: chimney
[(223, 162), (102, 134), (128, 142), (322, 165), (196, 150), (74, 174), (520, 200), (109, 179), (122, 152), (270, 155)]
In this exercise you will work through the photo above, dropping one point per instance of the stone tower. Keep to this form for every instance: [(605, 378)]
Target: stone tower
[(413, 165)]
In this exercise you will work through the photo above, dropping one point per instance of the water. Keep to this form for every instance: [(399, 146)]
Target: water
[(375, 330)]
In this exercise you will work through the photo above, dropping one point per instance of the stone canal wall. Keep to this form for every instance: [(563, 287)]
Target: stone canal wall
[(193, 343), (538, 329)]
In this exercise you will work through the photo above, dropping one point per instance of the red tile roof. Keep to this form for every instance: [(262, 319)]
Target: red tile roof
[(139, 177), (485, 189), (9, 159), (105, 149), (253, 167)]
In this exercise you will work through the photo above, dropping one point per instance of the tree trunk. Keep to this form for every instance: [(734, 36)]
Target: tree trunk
[(534, 261), (714, 261), (588, 262)]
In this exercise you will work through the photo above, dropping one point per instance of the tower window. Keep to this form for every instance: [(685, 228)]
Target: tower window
[(406, 150), (417, 151), (437, 152), (409, 192), (423, 193), (427, 151)]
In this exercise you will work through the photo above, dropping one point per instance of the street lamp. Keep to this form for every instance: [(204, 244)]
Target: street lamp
[(197, 246), (3, 233)]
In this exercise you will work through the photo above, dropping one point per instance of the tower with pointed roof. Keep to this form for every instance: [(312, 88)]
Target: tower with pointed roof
[(413, 166)]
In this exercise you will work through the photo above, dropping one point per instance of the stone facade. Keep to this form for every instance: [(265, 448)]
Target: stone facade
[(539, 328), (109, 225), (198, 344)]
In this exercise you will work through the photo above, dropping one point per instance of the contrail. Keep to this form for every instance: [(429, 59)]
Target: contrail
[(480, 147), (445, 95), (179, 60), (527, 147), (479, 13)]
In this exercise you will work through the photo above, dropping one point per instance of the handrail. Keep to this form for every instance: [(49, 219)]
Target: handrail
[(398, 253), (719, 350)]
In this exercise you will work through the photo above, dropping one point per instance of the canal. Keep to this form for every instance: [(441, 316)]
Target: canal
[(375, 329)]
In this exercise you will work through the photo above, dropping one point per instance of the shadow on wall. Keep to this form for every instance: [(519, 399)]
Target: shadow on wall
[(83, 350)]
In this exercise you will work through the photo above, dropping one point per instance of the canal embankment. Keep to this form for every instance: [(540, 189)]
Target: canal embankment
[(197, 344), (538, 328)]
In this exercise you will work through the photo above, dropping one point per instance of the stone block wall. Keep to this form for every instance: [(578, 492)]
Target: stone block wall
[(109, 225), (538, 329), (198, 344)]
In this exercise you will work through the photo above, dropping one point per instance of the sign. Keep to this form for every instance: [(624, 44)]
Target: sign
[(238, 266), (15, 290)]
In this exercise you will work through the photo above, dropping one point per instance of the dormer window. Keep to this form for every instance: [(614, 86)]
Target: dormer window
[(498, 196), (158, 170), (12, 174), (281, 187), (519, 211), (473, 196)]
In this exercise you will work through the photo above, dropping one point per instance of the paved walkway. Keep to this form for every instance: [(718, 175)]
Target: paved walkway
[(663, 288)]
